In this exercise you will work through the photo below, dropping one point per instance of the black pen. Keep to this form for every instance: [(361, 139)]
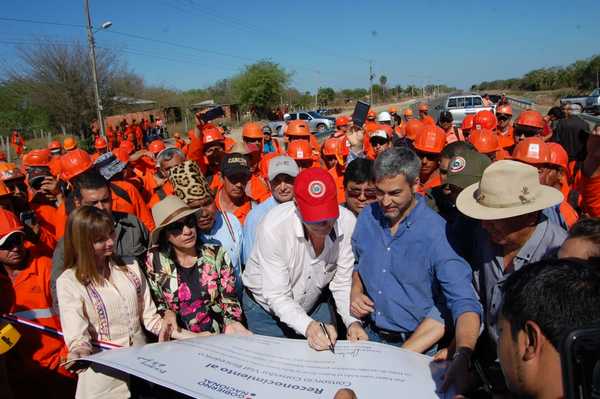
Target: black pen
[(328, 337)]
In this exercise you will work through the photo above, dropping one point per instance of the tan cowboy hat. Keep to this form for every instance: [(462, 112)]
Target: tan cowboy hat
[(507, 189), (167, 211)]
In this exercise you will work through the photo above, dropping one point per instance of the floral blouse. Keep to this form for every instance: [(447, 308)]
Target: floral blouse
[(202, 304)]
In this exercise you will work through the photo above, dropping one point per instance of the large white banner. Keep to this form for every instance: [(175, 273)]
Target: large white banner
[(259, 367)]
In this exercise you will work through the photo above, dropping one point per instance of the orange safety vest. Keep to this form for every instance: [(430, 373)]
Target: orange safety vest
[(127, 199)]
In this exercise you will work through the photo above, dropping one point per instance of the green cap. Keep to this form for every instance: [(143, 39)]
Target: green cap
[(467, 168)]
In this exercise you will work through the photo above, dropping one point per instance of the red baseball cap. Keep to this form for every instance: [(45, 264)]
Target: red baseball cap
[(316, 195)]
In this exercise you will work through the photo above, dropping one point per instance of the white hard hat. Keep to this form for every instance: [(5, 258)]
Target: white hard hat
[(384, 117), (286, 116)]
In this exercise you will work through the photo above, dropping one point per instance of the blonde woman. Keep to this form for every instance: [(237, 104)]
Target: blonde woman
[(101, 297)]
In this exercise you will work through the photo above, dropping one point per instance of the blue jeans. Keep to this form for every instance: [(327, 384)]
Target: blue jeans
[(263, 323)]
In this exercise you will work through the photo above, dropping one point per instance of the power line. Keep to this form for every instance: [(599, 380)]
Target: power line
[(31, 21)]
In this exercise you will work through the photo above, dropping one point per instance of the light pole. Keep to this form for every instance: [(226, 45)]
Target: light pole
[(92, 46)]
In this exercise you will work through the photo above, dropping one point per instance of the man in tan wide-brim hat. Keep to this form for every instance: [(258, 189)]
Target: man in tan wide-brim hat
[(508, 201)]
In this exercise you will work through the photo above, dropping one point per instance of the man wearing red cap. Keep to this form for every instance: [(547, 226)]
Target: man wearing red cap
[(301, 248), (34, 362)]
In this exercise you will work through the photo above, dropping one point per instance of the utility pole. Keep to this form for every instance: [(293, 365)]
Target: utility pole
[(371, 76), (92, 46), (597, 81)]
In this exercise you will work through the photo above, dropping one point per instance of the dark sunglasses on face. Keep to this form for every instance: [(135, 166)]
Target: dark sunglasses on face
[(15, 240), (375, 141), (527, 131), (369, 194), (502, 117), (177, 227)]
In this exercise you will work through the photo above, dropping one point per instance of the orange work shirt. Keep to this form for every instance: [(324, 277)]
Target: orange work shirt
[(506, 139), (135, 206), (28, 296), (257, 188), (240, 212), (434, 181), (338, 178), (590, 193), (427, 119)]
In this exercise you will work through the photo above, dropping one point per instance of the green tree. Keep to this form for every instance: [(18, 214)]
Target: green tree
[(326, 95), (260, 87)]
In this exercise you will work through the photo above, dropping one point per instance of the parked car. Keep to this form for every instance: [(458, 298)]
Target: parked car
[(461, 105), (589, 103), (317, 122)]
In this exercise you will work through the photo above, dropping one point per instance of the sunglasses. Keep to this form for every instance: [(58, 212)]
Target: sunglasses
[(177, 227), (15, 240), (368, 194), (378, 141), (527, 131), (502, 117)]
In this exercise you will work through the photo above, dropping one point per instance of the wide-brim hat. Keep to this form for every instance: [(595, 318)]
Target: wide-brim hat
[(168, 210), (507, 189)]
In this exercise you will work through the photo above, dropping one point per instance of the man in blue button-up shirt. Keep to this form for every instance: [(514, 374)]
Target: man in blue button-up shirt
[(403, 260)]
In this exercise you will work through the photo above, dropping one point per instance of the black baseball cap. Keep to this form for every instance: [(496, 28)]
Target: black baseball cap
[(233, 164)]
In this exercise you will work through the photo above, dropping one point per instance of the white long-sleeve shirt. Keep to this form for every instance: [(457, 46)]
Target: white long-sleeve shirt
[(285, 276)]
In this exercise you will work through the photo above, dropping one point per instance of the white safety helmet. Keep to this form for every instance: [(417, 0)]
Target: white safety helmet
[(384, 117)]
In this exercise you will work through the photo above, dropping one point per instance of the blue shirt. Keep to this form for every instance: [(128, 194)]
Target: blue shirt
[(250, 224), (490, 271), (231, 240), (555, 216), (268, 147), (402, 273)]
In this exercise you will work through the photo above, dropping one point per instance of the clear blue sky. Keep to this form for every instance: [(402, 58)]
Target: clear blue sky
[(324, 43)]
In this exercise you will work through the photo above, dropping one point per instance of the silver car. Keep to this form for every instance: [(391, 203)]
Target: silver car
[(461, 105), (317, 122)]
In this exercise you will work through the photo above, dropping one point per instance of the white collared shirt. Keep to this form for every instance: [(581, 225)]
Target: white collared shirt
[(284, 275)]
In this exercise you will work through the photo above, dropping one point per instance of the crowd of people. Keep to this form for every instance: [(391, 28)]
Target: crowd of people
[(474, 244)]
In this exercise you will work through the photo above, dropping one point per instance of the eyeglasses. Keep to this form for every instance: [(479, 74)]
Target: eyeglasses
[(503, 117), (177, 227), (15, 240), (430, 156), (369, 194)]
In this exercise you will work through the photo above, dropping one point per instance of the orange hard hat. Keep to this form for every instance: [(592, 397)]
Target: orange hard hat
[(408, 112), (297, 128), (10, 171), (156, 146), (100, 143), (212, 134), (74, 163), (392, 110), (342, 121), (121, 155), (423, 107), (485, 120), (336, 147), (484, 140), (54, 145), (36, 158), (70, 143), (9, 224), (371, 114), (252, 130), (4, 191), (467, 123), (413, 127), (530, 118), (558, 155), (300, 150), (531, 150), (504, 109), (127, 146), (431, 139)]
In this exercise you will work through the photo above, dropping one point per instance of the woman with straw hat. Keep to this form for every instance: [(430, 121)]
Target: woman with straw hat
[(190, 280)]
